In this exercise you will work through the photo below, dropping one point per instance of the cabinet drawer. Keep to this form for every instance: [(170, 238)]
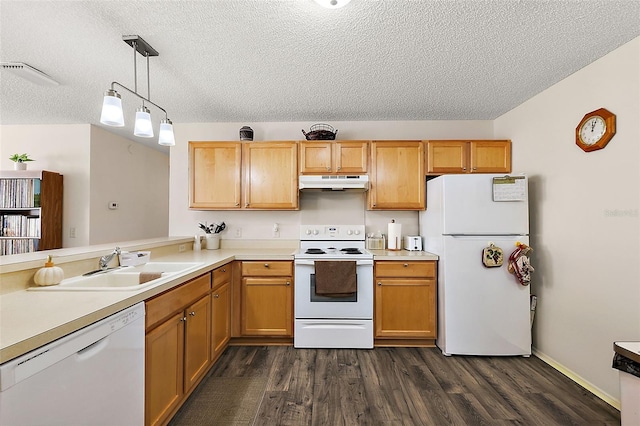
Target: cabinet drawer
[(175, 300), (262, 269), (221, 275), (424, 269)]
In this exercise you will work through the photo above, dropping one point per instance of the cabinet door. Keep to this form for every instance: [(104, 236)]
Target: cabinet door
[(214, 175), (351, 157), (315, 157), (267, 306), (197, 341), (490, 156), (164, 369), (397, 176), (405, 308), (271, 175), (221, 319), (447, 157)]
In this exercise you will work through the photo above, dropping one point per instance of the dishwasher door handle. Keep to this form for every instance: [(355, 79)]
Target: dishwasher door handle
[(93, 349)]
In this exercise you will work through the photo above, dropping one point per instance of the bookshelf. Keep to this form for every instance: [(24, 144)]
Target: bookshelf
[(30, 211)]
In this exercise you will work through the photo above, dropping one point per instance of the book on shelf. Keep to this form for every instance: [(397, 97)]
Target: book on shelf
[(17, 225), (18, 246), (19, 193)]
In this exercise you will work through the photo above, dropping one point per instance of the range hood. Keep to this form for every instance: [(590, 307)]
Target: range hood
[(333, 183)]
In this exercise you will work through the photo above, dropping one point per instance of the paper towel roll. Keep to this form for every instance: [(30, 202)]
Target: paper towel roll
[(395, 236)]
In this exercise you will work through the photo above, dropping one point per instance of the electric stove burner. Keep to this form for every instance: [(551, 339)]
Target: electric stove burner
[(315, 251), (351, 250)]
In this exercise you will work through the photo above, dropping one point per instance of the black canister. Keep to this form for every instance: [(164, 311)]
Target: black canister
[(246, 133)]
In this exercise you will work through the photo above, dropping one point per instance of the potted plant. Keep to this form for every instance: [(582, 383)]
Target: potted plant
[(20, 161)]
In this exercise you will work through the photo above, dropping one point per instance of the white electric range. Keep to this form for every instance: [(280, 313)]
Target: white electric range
[(337, 321)]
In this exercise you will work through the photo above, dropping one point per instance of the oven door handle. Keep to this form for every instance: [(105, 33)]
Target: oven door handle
[(310, 262)]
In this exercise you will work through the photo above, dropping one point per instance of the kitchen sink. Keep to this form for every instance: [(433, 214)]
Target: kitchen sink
[(130, 278)]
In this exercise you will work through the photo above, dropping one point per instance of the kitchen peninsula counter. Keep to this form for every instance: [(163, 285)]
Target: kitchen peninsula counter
[(31, 319)]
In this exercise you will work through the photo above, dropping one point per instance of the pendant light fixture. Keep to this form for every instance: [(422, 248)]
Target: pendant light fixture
[(112, 114)]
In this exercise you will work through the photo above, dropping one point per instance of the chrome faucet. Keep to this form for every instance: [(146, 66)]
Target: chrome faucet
[(104, 260)]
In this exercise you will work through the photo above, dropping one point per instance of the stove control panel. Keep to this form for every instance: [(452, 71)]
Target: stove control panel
[(332, 232)]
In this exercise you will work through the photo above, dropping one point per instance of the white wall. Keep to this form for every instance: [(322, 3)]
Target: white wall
[(584, 216), (59, 148), (137, 178), (97, 167), (259, 224)]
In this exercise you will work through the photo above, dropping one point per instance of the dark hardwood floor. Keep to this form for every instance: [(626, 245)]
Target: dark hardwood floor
[(410, 386)]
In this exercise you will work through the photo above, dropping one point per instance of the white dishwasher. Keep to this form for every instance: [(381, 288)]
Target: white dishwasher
[(94, 376)]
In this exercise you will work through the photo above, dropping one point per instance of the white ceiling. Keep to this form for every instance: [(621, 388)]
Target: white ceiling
[(292, 60)]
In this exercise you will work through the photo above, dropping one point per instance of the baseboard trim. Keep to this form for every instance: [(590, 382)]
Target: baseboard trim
[(578, 379)]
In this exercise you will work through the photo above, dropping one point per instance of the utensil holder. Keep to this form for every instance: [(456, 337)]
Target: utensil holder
[(212, 241)]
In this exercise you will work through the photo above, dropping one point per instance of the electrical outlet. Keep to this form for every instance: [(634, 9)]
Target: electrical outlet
[(238, 232), (276, 231), (182, 247), (72, 232)]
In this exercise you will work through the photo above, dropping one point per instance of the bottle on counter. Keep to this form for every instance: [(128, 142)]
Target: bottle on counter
[(197, 245)]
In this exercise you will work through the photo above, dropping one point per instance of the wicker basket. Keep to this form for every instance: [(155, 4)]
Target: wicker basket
[(320, 132)]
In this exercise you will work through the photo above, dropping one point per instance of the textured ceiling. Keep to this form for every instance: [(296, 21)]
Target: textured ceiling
[(292, 60)]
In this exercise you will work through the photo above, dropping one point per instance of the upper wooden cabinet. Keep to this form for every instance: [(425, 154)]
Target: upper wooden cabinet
[(270, 175), (215, 175), (397, 176), (460, 156), (334, 157), (236, 175)]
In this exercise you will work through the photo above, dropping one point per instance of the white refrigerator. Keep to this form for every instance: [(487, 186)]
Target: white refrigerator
[(481, 310)]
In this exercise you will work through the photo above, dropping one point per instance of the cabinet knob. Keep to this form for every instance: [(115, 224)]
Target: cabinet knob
[(328, 169), (215, 296), (237, 204), (224, 270), (464, 168), (406, 265), (247, 205), (475, 168), (288, 283), (192, 313), (379, 283), (183, 319), (266, 265), (339, 168)]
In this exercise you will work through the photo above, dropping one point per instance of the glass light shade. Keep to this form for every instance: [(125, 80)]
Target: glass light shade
[(166, 136), (143, 126), (332, 4), (112, 109)]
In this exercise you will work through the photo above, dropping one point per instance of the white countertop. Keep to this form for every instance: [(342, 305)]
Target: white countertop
[(629, 350), (402, 255), (30, 319)]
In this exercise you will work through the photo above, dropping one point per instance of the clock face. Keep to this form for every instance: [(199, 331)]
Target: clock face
[(592, 130)]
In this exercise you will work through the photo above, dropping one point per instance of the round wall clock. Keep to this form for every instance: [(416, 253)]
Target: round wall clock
[(595, 130)]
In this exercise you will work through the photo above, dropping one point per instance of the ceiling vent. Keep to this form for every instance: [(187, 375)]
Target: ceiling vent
[(29, 73)]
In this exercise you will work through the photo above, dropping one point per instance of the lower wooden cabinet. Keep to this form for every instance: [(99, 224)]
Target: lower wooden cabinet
[(164, 366), (220, 311), (405, 301), (178, 341), (267, 299)]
